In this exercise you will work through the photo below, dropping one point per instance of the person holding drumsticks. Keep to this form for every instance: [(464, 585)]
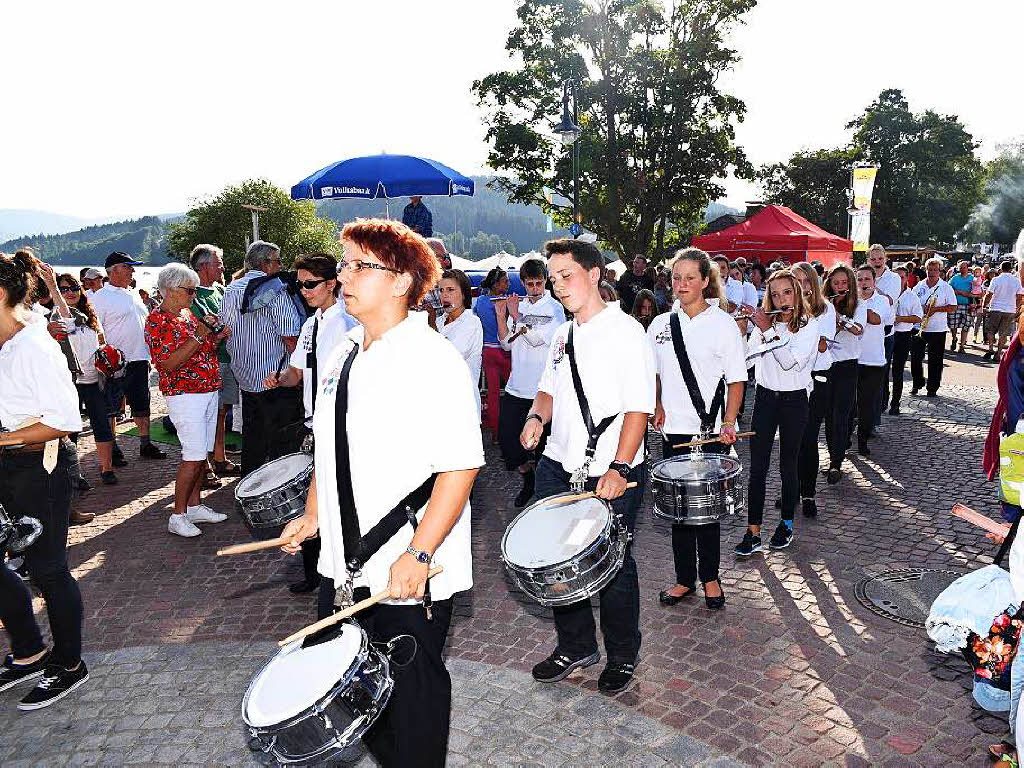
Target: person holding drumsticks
[(383, 432), (596, 391), (705, 340)]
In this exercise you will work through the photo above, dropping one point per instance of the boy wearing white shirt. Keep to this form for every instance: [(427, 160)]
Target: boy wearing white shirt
[(937, 300), (908, 314), (616, 369), (871, 360)]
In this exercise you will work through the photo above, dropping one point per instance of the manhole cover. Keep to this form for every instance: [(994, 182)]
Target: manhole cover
[(904, 595)]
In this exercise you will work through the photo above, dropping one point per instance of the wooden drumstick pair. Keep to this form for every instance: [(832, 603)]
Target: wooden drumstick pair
[(715, 439)]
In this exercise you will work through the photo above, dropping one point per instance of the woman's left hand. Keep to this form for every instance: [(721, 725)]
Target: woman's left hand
[(761, 320), (49, 276), (408, 578), (727, 434)]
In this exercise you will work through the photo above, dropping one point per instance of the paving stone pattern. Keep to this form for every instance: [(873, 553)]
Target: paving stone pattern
[(793, 672)]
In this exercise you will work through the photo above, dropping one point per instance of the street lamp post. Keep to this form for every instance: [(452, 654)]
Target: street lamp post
[(568, 131)]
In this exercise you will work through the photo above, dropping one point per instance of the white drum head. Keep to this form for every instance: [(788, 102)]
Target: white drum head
[(548, 533), (297, 678), (273, 475), (701, 468)]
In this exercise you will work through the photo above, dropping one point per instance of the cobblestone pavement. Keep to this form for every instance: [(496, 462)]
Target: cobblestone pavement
[(795, 671)]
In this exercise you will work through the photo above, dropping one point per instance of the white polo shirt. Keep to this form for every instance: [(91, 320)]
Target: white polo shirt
[(889, 283), (787, 368), (123, 317), (467, 334), (735, 293), (908, 305), (826, 328), (411, 413), (1004, 288), (849, 344), (530, 351), (872, 341), (35, 382), (944, 296), (715, 349), (332, 326), (616, 367)]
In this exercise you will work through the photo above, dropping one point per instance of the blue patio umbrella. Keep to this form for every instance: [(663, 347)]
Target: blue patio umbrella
[(384, 176)]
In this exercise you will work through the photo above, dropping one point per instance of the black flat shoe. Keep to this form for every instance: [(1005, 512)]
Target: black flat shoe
[(667, 598), (304, 586), (714, 603), (833, 475), (616, 677)]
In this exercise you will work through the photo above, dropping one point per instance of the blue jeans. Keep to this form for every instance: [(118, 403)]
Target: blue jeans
[(620, 599)]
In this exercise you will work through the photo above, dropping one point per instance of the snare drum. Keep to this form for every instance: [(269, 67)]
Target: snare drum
[(276, 492), (308, 704), (561, 552), (697, 488)]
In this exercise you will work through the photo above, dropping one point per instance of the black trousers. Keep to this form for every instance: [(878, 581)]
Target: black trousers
[(696, 549), (843, 376), (271, 425), (620, 599), (869, 382), (511, 420), (935, 345), (883, 393), (26, 489), (785, 413), (900, 354), (819, 410)]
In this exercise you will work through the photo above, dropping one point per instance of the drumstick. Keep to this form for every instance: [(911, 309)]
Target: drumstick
[(986, 523), (254, 546), (586, 495), (335, 618), (716, 439)]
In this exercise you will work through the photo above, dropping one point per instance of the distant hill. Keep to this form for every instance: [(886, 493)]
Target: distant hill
[(19, 223), (144, 238)]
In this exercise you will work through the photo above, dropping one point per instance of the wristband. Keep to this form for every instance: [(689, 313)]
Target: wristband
[(537, 417), (729, 423)]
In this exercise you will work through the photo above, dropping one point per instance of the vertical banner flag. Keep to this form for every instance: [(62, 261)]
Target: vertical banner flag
[(860, 225), (550, 197)]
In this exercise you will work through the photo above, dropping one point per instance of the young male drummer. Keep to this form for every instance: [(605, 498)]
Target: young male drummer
[(615, 368), (382, 428)]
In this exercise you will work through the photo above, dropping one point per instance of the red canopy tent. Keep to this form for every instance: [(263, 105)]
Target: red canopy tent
[(777, 233)]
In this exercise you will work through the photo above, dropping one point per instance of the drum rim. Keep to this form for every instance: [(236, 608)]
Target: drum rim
[(589, 590), (582, 553), (238, 488), (736, 470)]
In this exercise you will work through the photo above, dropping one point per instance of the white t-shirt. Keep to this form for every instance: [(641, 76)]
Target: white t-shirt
[(908, 305), (410, 414), (944, 297), (872, 341), (84, 341), (735, 293), (787, 368), (123, 317), (467, 334), (530, 351), (849, 344), (827, 328), (715, 349), (889, 283), (1005, 287), (331, 329), (35, 382), (617, 370)]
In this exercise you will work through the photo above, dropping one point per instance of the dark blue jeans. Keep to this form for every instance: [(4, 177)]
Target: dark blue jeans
[(620, 599)]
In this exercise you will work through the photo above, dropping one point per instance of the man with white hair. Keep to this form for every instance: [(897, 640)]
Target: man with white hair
[(937, 300), (264, 328), (122, 316)]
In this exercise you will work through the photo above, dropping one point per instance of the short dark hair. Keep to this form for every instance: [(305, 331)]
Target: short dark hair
[(532, 269), (1006, 266), (720, 258), (464, 285), (323, 265), (585, 254)]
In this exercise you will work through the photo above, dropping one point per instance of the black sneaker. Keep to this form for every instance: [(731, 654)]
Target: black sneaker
[(12, 674), (526, 493), (82, 484), (749, 545), (108, 478), (150, 451), (57, 683), (810, 508), (118, 458), (558, 666), (894, 410), (782, 537), (616, 677)]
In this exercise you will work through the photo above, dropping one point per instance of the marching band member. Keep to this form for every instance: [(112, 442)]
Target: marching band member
[(819, 404), (597, 391), (880, 313), (462, 328), (851, 317), (783, 376), (35, 386), (908, 313), (887, 282), (699, 359), (526, 331), (937, 301), (384, 430)]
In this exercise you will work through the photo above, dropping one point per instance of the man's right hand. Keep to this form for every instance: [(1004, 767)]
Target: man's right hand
[(533, 430), (658, 419), (271, 382), (297, 531)]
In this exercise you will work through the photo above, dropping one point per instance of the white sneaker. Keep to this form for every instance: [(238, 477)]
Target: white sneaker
[(203, 514), (182, 526)]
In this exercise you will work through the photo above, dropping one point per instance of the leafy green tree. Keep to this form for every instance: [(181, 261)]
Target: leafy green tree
[(223, 221), (999, 217), (812, 183), (657, 130)]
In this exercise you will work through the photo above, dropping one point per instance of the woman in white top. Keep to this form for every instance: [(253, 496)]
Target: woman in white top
[(395, 410), (783, 376), (851, 317), (819, 405), (715, 351), (38, 406), (462, 328), (908, 314), (871, 360)]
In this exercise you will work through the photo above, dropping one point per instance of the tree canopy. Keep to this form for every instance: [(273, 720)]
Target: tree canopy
[(657, 130)]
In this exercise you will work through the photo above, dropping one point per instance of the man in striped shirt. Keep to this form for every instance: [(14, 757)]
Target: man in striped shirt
[(262, 339)]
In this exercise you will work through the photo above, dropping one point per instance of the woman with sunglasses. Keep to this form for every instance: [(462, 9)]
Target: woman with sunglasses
[(184, 352)]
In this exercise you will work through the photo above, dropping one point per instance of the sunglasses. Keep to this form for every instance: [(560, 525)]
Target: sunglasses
[(189, 291), (69, 289), (309, 285)]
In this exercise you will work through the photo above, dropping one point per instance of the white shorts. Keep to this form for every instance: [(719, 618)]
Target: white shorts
[(195, 418)]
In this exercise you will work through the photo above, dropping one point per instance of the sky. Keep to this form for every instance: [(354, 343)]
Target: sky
[(118, 109)]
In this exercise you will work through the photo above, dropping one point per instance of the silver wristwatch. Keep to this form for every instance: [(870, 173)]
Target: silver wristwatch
[(421, 557)]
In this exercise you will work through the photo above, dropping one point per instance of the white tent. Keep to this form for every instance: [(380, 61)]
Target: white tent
[(617, 267)]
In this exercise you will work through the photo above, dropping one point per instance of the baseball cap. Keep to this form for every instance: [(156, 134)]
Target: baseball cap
[(119, 257), (91, 274)]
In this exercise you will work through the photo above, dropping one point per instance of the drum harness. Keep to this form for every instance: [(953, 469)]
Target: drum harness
[(707, 420), (594, 432), (359, 549)]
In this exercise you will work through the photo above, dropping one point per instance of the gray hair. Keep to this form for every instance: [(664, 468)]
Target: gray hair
[(176, 276), (203, 254), (934, 261), (260, 253)]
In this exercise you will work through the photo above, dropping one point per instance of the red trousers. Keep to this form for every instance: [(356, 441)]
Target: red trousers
[(497, 367)]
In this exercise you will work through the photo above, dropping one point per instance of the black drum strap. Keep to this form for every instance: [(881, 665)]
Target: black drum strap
[(594, 432), (311, 361), (707, 420)]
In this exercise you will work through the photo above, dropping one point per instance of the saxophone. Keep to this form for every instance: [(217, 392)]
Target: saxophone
[(928, 304)]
